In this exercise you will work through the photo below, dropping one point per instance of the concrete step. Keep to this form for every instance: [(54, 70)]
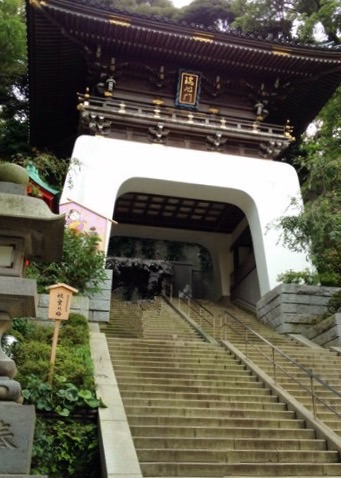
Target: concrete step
[(194, 394), (240, 469), (180, 374), (181, 431), (266, 403), (195, 411), (222, 443), (238, 382), (280, 423), (176, 411), (159, 455)]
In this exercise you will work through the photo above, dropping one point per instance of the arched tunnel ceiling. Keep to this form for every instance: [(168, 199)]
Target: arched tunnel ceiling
[(177, 212)]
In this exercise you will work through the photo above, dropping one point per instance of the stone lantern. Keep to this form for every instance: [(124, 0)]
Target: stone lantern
[(28, 230)]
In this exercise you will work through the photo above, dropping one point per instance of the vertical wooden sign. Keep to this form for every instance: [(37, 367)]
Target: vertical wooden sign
[(59, 309)]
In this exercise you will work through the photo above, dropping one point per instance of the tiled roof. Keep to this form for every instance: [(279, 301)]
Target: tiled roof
[(60, 32)]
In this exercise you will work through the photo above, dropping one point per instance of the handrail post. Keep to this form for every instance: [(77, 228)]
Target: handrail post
[(274, 365), (312, 390), (188, 306), (246, 343)]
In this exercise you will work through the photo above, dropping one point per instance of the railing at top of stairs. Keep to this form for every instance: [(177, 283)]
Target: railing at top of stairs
[(202, 315), (197, 311), (276, 367)]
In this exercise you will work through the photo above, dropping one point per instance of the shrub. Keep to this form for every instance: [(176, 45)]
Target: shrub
[(82, 266), (63, 445), (65, 448), (299, 277)]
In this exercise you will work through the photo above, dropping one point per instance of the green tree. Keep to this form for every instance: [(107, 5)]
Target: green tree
[(12, 41), (266, 17), (287, 19), (13, 83), (318, 227), (82, 265), (208, 13), (164, 8)]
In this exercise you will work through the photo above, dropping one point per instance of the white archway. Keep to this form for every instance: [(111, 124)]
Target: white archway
[(262, 189)]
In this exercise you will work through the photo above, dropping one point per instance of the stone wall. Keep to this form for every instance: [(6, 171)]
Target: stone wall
[(327, 333), (99, 305), (292, 308), (95, 309)]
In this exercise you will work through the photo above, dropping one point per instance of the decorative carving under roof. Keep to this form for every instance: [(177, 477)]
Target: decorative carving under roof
[(131, 64)]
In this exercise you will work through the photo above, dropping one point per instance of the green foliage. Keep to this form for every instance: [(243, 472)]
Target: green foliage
[(62, 397), (73, 360), (12, 38), (74, 363), (62, 446), (288, 19), (208, 13), (51, 169), (317, 228), (65, 448), (13, 115), (301, 277), (266, 17), (32, 356), (334, 304), (82, 265)]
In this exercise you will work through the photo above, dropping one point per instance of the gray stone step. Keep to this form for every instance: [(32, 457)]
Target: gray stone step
[(159, 455), (203, 421), (220, 432), (194, 411), (177, 411), (266, 403), (240, 469), (222, 443)]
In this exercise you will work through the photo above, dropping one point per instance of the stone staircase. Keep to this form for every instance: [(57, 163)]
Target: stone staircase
[(324, 363), (196, 411)]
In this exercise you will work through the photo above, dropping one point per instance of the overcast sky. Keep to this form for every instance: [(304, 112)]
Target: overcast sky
[(181, 3)]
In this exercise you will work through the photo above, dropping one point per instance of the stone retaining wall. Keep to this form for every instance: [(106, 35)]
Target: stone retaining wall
[(327, 333), (292, 308)]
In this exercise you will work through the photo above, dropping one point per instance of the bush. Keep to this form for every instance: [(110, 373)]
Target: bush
[(299, 277), (334, 304), (63, 446), (82, 266)]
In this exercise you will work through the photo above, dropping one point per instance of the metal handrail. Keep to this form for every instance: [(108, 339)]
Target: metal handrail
[(198, 303), (276, 366), (201, 307), (308, 373)]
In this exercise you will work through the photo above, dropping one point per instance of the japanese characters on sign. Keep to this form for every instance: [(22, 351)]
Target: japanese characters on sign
[(60, 301), (188, 89), (6, 437)]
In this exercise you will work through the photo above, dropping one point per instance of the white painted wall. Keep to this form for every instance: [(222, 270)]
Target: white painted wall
[(261, 188)]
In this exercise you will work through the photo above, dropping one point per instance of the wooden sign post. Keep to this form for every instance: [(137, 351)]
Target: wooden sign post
[(59, 309)]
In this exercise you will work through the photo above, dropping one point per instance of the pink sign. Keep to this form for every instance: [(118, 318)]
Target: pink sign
[(81, 219)]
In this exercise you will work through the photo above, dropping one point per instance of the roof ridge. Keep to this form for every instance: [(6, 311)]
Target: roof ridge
[(236, 33)]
